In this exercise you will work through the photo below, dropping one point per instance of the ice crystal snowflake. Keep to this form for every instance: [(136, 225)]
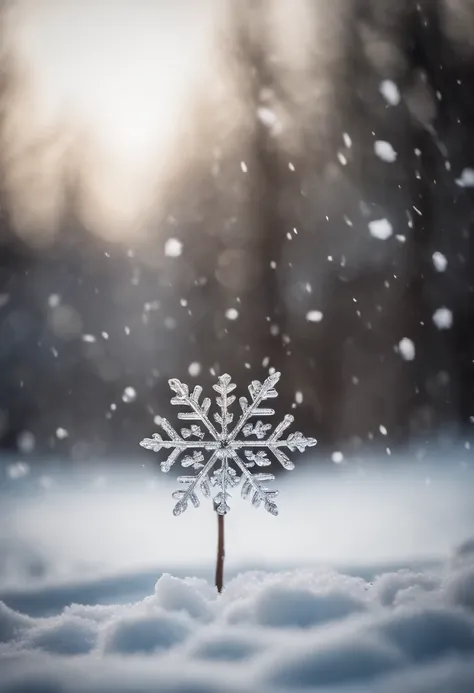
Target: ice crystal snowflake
[(225, 446)]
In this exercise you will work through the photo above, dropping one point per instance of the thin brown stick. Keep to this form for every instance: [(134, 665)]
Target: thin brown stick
[(220, 553)]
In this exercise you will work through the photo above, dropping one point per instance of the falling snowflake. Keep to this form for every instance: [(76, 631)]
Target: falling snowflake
[(440, 261), (381, 229), (173, 247), (231, 457), (390, 92), (466, 179), (385, 151)]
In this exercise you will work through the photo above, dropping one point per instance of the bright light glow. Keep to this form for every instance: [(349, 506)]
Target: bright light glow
[(120, 79)]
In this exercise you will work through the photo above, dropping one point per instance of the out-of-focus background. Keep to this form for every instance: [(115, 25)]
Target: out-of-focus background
[(193, 188)]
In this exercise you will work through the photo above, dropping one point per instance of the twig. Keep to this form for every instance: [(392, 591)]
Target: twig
[(220, 553)]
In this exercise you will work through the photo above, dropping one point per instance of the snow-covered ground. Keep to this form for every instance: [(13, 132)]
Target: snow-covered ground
[(356, 586)]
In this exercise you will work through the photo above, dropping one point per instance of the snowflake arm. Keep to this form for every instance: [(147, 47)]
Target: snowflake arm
[(223, 388), (253, 483), (198, 412), (202, 480), (274, 443), (176, 443), (224, 478), (258, 393)]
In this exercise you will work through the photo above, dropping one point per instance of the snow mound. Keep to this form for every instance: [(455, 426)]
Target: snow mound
[(311, 630), (12, 624), (144, 633)]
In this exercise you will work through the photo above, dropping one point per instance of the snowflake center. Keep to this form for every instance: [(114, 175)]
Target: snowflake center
[(224, 443)]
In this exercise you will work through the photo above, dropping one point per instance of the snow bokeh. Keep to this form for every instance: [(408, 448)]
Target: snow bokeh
[(407, 349), (390, 92), (443, 318), (385, 151), (381, 229), (466, 179), (173, 247), (440, 261), (314, 316), (232, 314)]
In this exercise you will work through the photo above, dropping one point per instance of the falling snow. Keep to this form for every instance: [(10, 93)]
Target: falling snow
[(267, 117), (466, 179), (390, 92), (232, 314), (381, 229), (170, 323), (407, 349), (129, 395), (314, 316), (194, 369), (18, 470), (342, 159), (26, 442), (440, 261), (443, 318), (385, 151), (173, 247)]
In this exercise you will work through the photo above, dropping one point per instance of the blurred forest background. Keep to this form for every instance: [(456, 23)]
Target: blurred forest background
[(201, 187)]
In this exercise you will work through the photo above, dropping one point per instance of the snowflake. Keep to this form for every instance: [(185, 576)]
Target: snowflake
[(231, 458)]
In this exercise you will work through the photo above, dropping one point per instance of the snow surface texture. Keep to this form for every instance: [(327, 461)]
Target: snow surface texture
[(299, 630), (66, 627)]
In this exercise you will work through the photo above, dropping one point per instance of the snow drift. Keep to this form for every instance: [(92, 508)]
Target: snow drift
[(289, 631)]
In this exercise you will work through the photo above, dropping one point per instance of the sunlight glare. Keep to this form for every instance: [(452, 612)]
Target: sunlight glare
[(121, 79)]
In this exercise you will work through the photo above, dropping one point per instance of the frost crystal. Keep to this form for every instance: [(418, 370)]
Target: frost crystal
[(231, 458)]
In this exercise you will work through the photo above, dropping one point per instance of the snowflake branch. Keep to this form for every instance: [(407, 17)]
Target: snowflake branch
[(273, 440), (199, 413), (224, 388), (294, 441), (281, 428), (186, 495), (252, 482), (156, 443), (224, 478), (265, 391), (176, 443)]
